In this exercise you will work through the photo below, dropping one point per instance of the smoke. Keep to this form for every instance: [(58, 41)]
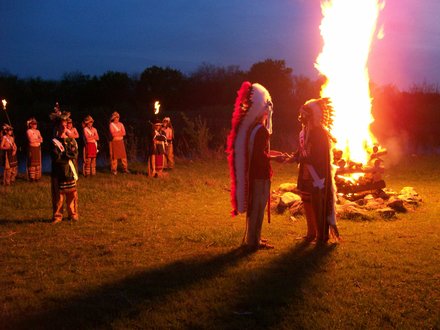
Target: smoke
[(397, 147)]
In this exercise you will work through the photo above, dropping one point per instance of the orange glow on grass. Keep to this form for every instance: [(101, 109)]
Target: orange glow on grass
[(348, 28)]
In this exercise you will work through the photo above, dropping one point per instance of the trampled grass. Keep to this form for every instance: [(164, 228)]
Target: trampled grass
[(164, 253)]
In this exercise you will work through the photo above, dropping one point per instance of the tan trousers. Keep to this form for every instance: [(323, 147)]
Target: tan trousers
[(114, 165), (169, 155), (71, 199), (259, 194), (89, 166)]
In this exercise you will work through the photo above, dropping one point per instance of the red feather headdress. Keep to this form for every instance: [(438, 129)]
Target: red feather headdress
[(251, 102)]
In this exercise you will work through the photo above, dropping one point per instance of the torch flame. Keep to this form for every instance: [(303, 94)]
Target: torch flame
[(348, 28), (156, 107), (4, 102)]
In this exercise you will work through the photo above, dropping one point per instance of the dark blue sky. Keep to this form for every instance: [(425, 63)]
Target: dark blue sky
[(47, 38)]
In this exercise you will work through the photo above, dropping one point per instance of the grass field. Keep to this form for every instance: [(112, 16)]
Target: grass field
[(164, 253)]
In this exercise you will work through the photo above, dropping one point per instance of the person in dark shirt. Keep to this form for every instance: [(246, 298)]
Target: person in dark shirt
[(249, 160)]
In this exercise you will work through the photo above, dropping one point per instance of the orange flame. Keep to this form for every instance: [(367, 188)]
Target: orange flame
[(156, 107), (4, 102), (348, 28)]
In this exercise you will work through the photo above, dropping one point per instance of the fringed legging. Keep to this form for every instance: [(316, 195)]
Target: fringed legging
[(89, 166), (9, 175), (34, 173)]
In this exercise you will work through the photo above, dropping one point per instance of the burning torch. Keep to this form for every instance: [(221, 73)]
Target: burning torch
[(4, 102), (156, 107)]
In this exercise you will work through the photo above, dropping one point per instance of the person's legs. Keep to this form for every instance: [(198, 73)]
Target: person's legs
[(58, 209), (86, 166), (259, 193), (310, 216), (72, 204), (93, 166), (124, 165)]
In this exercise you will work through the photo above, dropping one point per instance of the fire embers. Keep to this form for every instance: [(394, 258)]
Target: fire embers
[(352, 177)]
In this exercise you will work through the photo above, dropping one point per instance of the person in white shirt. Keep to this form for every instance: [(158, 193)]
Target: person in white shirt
[(117, 145), (34, 150)]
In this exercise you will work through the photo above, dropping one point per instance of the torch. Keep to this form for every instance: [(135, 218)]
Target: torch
[(156, 107), (4, 102)]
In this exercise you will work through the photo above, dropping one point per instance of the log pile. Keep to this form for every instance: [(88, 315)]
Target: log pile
[(382, 203)]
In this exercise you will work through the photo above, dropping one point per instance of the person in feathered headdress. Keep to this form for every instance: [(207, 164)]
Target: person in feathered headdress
[(34, 150), (64, 173), (248, 156), (316, 175), (9, 161)]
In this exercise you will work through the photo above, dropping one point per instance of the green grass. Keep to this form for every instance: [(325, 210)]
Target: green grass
[(163, 253)]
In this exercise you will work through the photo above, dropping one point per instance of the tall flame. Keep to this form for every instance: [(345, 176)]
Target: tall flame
[(348, 28)]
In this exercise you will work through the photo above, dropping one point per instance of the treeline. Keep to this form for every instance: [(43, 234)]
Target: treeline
[(200, 105)]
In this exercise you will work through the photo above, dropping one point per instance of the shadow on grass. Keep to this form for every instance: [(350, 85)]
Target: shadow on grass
[(100, 307), (259, 302), (4, 222), (266, 294)]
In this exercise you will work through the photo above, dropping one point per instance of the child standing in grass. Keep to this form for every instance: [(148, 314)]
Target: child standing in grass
[(156, 158), (34, 152), (117, 146), (91, 138), (168, 131), (64, 173), (9, 148)]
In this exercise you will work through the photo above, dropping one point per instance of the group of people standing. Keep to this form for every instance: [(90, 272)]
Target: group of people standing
[(160, 148), (64, 155)]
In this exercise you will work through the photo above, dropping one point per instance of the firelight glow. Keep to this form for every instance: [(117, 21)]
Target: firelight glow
[(348, 28), (156, 107), (4, 102)]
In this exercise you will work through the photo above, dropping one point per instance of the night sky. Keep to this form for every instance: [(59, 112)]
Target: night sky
[(50, 37)]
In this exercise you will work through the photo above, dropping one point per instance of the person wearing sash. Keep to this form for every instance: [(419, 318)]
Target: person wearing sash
[(168, 131), (117, 145), (90, 153), (316, 174), (64, 173), (10, 162), (34, 166)]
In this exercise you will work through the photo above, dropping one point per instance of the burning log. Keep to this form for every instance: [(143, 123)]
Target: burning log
[(349, 188), (352, 177)]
